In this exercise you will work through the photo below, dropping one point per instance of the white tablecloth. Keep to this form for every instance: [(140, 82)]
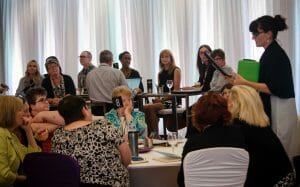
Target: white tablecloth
[(155, 173)]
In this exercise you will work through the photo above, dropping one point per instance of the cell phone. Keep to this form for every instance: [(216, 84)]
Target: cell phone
[(116, 65), (117, 102)]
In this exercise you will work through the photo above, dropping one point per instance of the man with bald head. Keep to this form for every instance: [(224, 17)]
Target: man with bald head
[(85, 59)]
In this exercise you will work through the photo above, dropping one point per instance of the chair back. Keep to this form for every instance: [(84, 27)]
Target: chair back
[(51, 170), (220, 166)]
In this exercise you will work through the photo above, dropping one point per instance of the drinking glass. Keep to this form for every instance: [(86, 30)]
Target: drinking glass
[(172, 139), (169, 84)]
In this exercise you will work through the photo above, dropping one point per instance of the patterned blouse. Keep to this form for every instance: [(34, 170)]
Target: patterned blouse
[(137, 122), (95, 148)]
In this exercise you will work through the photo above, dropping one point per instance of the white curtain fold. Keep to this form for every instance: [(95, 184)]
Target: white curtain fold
[(35, 29)]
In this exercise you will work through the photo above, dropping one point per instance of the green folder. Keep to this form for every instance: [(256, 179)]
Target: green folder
[(249, 69)]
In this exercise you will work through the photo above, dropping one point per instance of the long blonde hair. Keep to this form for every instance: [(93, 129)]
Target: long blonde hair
[(9, 107), (245, 104), (172, 66), (37, 76)]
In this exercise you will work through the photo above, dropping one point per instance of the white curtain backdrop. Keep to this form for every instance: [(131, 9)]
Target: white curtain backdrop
[(35, 29)]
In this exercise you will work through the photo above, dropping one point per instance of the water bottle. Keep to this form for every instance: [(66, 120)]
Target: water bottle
[(133, 136), (149, 85)]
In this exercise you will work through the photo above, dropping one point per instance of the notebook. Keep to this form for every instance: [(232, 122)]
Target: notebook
[(133, 83), (249, 69)]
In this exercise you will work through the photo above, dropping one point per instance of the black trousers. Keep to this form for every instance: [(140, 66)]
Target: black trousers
[(101, 109)]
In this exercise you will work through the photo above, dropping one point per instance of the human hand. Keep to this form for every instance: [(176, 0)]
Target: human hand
[(156, 100), (27, 120), (54, 101), (21, 178), (128, 109), (236, 79), (42, 134)]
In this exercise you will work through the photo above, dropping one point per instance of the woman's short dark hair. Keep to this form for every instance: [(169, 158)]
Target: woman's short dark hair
[(32, 94), (210, 109), (122, 54), (70, 108), (268, 23), (218, 52)]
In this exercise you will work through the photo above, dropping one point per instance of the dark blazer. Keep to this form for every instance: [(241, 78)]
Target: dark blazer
[(69, 86), (276, 73)]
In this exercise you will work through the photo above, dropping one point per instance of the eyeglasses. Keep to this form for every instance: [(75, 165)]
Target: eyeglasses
[(255, 34), (42, 100), (218, 58), (81, 56)]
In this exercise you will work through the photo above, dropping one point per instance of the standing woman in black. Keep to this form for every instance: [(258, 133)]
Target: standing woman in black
[(275, 79)]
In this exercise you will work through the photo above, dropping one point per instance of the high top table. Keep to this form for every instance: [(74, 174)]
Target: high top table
[(174, 94)]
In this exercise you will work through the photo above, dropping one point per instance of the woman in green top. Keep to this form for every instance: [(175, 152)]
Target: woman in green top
[(12, 152)]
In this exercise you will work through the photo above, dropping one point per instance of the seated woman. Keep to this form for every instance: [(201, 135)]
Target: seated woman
[(12, 152), (32, 78), (43, 120), (210, 116), (124, 117), (99, 148), (269, 164), (168, 71), (57, 84)]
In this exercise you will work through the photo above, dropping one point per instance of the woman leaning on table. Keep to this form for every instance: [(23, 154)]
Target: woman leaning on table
[(12, 152), (99, 148), (275, 82)]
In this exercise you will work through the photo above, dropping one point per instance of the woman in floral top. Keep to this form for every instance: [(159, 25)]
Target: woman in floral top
[(124, 117), (99, 148)]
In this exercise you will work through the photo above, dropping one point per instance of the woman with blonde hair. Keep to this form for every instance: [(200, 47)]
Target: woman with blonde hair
[(269, 164), (32, 78), (168, 71), (123, 117), (12, 152)]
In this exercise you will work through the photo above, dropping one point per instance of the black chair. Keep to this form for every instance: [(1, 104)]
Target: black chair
[(51, 170)]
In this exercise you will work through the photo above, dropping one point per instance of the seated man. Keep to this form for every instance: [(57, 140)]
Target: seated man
[(101, 81), (218, 80)]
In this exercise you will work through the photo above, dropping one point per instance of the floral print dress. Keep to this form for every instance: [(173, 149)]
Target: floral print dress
[(94, 146)]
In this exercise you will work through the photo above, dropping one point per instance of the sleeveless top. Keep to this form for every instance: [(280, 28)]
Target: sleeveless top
[(163, 76)]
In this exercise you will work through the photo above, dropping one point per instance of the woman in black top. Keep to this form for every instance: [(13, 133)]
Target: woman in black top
[(210, 116), (275, 82), (269, 163), (168, 71), (56, 84), (205, 69), (130, 73)]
